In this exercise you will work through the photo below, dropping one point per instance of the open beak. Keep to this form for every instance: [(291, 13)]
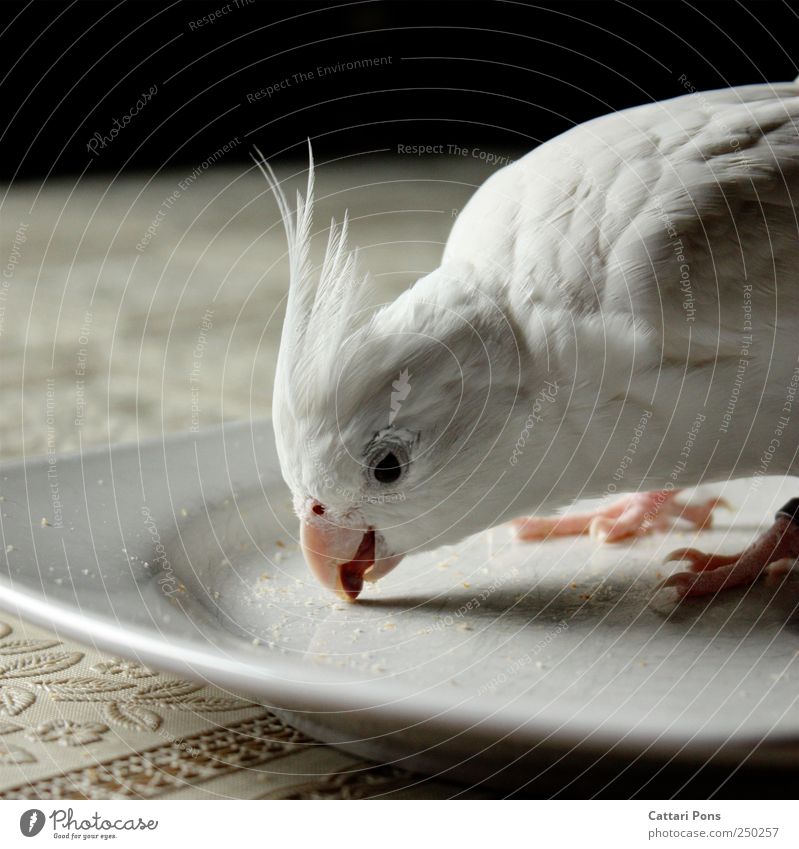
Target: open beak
[(343, 558)]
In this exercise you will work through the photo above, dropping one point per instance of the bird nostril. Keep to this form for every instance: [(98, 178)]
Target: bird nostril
[(318, 509)]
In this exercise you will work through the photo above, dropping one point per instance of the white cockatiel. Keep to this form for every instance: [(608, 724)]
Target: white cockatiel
[(618, 311)]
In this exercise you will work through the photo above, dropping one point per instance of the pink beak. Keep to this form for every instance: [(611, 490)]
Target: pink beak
[(343, 558)]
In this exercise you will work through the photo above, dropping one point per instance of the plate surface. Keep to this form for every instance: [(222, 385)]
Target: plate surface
[(182, 553)]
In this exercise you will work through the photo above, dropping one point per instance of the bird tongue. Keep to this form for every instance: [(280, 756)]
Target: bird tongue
[(350, 575)]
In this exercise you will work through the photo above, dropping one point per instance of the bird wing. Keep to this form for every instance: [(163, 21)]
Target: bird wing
[(662, 214)]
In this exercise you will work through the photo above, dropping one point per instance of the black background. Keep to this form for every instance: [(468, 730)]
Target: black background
[(502, 74)]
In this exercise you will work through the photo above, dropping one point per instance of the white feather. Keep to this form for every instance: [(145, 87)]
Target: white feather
[(616, 263)]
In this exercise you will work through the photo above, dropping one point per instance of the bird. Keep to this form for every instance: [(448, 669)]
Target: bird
[(614, 315)]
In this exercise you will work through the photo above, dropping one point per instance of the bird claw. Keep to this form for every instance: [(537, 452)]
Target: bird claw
[(699, 515), (701, 562), (780, 568), (634, 515), (773, 553), (604, 529), (692, 555), (599, 528), (681, 581)]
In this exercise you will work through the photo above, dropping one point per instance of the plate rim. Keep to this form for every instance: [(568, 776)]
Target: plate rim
[(331, 691)]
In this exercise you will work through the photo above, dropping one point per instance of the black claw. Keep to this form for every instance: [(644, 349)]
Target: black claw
[(790, 510)]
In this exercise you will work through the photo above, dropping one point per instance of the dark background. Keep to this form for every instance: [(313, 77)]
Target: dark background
[(504, 75)]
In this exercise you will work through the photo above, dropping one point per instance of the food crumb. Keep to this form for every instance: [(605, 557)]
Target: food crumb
[(184, 511), (44, 523), (256, 641), (9, 548)]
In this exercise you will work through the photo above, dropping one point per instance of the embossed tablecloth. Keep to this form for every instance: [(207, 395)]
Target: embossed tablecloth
[(75, 722)]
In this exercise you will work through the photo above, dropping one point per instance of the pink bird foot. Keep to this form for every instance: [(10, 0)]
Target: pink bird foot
[(632, 515), (774, 551)]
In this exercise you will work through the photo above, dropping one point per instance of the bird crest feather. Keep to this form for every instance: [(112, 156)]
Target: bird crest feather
[(325, 304)]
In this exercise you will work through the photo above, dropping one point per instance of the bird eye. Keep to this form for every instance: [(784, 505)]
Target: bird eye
[(388, 470), (387, 458)]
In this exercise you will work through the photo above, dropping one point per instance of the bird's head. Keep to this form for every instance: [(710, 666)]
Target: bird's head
[(383, 416)]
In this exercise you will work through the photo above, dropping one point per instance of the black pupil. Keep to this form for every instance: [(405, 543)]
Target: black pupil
[(388, 469)]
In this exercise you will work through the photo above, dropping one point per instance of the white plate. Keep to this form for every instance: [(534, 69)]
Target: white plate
[(478, 656)]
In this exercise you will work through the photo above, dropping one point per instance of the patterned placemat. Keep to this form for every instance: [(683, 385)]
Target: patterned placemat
[(78, 724)]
